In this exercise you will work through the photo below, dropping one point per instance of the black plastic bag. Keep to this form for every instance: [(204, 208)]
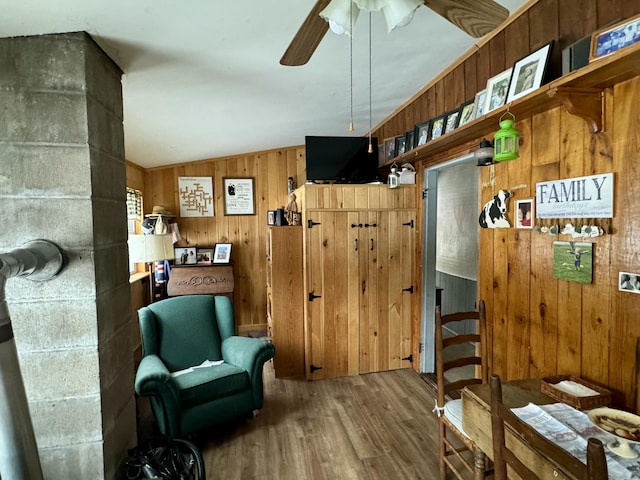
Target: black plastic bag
[(165, 459)]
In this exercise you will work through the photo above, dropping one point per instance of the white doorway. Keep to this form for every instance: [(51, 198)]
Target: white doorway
[(450, 243)]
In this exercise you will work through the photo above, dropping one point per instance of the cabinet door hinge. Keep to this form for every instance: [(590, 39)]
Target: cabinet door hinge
[(313, 368), (408, 289), (410, 358), (425, 193), (408, 224), (311, 223), (312, 296)]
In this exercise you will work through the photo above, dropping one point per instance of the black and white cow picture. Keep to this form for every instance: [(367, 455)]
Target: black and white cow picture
[(494, 213)]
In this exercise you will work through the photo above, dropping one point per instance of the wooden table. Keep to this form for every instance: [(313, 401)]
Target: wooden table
[(476, 421)]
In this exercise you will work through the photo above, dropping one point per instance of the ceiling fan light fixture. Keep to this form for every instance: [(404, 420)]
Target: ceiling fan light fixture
[(399, 13), (338, 15)]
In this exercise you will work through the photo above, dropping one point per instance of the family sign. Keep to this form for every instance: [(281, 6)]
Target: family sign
[(579, 197)]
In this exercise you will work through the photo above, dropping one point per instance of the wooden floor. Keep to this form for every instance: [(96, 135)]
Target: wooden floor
[(374, 426)]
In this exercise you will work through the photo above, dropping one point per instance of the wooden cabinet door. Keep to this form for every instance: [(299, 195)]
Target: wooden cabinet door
[(285, 299), (360, 270), (332, 303), (387, 279)]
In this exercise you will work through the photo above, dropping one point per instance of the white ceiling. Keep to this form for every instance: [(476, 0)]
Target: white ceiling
[(202, 78)]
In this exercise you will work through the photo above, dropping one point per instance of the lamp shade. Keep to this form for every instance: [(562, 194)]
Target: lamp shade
[(338, 14), (397, 13), (150, 248)]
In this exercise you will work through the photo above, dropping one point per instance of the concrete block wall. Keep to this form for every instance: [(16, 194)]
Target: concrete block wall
[(62, 178)]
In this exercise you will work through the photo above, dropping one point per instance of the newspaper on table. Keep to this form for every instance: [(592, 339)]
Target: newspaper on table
[(570, 428)]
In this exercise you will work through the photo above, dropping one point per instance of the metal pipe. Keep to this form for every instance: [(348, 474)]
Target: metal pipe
[(38, 260)]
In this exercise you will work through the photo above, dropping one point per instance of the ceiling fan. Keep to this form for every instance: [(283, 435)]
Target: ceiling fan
[(475, 17)]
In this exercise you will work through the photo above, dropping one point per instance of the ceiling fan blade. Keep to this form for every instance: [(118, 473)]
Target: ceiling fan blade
[(475, 17), (308, 38)]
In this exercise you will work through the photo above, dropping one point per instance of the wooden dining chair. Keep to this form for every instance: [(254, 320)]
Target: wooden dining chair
[(563, 462), (457, 452)]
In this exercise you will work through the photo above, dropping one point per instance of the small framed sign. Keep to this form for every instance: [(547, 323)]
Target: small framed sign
[(239, 196)]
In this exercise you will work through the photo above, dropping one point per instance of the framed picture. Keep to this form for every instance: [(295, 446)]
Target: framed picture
[(239, 198), (421, 133), (400, 144), (196, 196), (185, 256), (204, 256), (615, 37), (451, 120), (478, 103), (409, 140), (528, 73), (436, 129), (222, 253), (271, 217), (467, 112), (389, 148), (573, 261), (629, 282), (497, 88), (524, 213)]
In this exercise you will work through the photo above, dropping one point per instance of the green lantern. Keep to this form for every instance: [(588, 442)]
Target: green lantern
[(505, 141)]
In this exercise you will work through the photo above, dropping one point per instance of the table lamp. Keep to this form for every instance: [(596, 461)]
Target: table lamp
[(150, 249)]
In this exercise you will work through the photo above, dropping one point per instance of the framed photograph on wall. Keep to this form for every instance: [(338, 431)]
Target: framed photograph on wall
[(436, 129), (497, 89), (615, 37), (400, 144), (629, 282), (479, 102), (239, 197), (271, 217), (467, 112), (389, 148), (421, 133), (528, 73), (524, 213), (204, 256), (573, 261), (222, 253), (451, 120), (409, 142)]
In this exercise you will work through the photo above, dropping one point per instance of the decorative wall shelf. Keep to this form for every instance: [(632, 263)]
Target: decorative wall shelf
[(580, 92)]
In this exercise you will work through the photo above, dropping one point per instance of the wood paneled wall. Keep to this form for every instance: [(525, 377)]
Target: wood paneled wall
[(539, 325), (247, 233)]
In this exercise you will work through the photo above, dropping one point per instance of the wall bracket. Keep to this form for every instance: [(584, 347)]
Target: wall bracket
[(585, 103)]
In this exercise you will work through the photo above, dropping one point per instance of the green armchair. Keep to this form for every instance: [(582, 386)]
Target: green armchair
[(194, 368)]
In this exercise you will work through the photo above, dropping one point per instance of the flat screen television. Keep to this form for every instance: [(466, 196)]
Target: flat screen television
[(341, 159)]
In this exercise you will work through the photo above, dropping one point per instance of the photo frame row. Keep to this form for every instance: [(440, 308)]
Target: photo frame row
[(524, 77), (221, 253)]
